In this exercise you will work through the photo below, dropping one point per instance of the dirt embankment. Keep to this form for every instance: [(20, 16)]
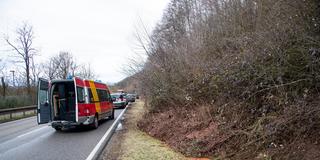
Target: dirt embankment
[(191, 132), (186, 130)]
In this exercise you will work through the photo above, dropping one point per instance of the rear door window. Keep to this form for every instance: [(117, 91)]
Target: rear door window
[(80, 94)]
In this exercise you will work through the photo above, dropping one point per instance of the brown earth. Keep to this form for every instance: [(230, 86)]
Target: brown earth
[(194, 133), (189, 131), (186, 130)]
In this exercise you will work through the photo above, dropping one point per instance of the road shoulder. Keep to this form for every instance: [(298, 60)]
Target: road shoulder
[(131, 143)]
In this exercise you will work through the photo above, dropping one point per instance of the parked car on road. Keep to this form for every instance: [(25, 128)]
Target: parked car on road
[(69, 102), (131, 97), (119, 100)]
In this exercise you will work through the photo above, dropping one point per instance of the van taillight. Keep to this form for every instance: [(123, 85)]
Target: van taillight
[(86, 111)]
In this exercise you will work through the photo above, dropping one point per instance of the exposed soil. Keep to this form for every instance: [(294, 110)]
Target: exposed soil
[(186, 130), (190, 131)]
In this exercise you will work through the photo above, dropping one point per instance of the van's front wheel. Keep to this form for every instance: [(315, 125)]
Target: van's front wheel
[(95, 123)]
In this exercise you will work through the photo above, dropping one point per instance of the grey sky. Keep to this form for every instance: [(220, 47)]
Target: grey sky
[(97, 31)]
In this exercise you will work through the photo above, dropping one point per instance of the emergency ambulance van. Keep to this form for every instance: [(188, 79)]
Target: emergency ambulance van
[(72, 102)]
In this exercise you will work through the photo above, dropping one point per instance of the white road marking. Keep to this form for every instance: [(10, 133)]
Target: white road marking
[(22, 135), (96, 148)]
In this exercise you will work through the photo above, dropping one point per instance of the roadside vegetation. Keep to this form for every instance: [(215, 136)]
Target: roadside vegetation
[(19, 71), (130, 143), (15, 101), (234, 79), (16, 116), (139, 145)]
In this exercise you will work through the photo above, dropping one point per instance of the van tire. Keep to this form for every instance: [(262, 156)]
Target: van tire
[(95, 123), (112, 114), (58, 128)]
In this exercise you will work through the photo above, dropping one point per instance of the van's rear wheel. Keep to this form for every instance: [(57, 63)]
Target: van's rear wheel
[(95, 123), (57, 128)]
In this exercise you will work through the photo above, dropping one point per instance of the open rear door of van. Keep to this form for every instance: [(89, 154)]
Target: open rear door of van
[(79, 88), (44, 109)]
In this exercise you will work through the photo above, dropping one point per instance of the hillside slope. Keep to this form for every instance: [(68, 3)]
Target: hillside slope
[(235, 79)]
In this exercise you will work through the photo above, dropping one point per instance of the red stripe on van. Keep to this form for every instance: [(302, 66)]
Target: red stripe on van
[(79, 82), (100, 86)]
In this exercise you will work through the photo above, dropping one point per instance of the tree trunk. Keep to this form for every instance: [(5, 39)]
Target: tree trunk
[(28, 76), (3, 87)]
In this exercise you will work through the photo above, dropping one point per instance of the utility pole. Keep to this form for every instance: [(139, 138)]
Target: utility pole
[(12, 77)]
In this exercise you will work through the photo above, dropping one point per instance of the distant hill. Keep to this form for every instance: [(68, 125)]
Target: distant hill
[(129, 84)]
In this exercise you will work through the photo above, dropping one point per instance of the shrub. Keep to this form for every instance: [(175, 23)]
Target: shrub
[(253, 62), (15, 101)]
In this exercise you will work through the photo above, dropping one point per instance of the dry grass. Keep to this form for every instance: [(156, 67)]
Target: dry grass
[(15, 116), (138, 145)]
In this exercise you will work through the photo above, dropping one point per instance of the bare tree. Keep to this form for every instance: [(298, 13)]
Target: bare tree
[(35, 71), (49, 69), (3, 85), (22, 45), (85, 71), (65, 64), (2, 66), (242, 60)]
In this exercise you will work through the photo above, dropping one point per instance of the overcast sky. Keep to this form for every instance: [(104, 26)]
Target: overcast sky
[(97, 31)]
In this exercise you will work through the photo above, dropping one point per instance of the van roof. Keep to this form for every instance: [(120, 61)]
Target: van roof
[(61, 80), (83, 82)]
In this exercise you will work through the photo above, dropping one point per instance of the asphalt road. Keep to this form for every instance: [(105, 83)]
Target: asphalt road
[(24, 139)]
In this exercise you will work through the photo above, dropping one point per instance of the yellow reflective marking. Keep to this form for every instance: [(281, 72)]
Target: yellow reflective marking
[(95, 96)]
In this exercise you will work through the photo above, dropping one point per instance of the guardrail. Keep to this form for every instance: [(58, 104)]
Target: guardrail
[(10, 111)]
